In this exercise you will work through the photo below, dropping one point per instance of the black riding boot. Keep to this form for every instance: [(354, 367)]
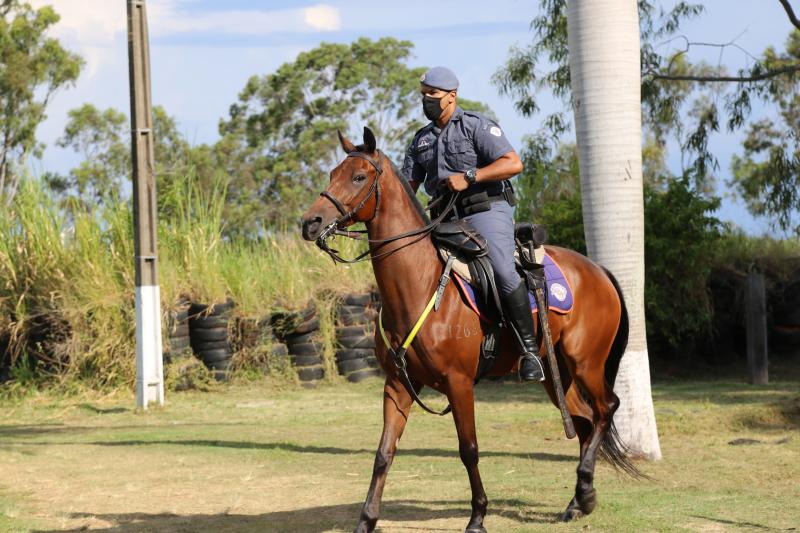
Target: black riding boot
[(518, 314)]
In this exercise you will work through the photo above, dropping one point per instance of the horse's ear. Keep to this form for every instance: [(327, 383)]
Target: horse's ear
[(369, 141), (347, 146)]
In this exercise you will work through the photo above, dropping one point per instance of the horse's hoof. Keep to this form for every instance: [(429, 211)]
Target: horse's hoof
[(572, 513), (479, 529)]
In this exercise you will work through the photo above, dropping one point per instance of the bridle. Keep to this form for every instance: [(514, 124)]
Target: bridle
[(334, 228)]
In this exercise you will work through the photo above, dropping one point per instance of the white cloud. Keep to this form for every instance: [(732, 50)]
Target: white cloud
[(323, 17), (171, 16)]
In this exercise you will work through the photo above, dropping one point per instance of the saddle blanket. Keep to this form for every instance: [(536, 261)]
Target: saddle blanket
[(560, 292)]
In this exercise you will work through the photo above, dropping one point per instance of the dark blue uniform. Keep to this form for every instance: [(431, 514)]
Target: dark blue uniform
[(469, 140)]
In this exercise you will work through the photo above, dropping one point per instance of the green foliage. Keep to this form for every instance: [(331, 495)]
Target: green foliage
[(767, 175), (680, 236), (279, 140), (66, 296), (32, 69), (102, 138), (677, 102)]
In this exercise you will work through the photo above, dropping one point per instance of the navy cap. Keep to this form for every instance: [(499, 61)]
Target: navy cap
[(441, 78)]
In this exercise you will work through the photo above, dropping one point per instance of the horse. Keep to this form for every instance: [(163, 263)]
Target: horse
[(589, 341)]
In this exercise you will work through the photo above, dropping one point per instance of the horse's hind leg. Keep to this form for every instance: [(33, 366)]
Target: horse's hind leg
[(462, 399), (396, 405), (603, 403)]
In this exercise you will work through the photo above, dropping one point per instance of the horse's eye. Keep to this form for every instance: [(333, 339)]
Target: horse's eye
[(359, 178)]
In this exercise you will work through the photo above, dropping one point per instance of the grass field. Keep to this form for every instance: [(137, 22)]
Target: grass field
[(269, 458)]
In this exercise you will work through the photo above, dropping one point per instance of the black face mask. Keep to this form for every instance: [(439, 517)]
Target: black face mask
[(432, 107)]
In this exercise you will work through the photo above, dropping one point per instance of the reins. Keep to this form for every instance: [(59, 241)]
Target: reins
[(333, 229)]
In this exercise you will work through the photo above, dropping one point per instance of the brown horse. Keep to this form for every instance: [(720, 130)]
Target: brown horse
[(590, 340)]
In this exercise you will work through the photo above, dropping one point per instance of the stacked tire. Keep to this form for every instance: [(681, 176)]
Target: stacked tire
[(178, 343), (786, 317), (300, 334), (355, 337), (208, 334)]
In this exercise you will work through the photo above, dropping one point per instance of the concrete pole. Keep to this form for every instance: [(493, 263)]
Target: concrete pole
[(149, 360)]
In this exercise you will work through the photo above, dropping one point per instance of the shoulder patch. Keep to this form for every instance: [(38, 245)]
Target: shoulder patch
[(494, 130)]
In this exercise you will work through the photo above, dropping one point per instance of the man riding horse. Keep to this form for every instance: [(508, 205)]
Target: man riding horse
[(467, 152)]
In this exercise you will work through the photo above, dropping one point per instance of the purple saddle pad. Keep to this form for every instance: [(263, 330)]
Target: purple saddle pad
[(559, 290)]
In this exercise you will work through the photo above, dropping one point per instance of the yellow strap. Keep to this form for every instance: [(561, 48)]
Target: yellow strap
[(414, 330)]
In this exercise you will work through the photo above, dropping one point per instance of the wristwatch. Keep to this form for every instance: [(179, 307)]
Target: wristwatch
[(471, 176)]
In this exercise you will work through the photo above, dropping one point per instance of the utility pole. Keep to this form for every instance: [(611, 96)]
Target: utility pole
[(149, 361)]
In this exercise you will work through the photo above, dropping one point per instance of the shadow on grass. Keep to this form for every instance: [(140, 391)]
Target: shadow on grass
[(297, 448), (32, 430), (742, 525), (341, 517), (724, 392)]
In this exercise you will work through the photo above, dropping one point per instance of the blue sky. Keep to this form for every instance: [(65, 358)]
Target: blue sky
[(202, 52)]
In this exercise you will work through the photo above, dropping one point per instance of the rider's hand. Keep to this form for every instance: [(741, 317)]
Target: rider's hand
[(456, 182)]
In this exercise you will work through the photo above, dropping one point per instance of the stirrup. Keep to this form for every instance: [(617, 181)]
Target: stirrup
[(536, 373)]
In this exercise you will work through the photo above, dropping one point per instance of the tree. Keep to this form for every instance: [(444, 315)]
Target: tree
[(604, 67), (767, 174), (103, 139), (32, 68), (279, 140), (684, 99)]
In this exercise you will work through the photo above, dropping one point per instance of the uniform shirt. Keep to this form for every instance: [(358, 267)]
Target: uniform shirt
[(468, 140)]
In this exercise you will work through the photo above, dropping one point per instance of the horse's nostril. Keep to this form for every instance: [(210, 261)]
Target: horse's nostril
[(311, 227)]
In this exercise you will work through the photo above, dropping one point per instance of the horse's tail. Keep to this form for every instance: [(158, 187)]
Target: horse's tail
[(621, 340), (612, 448)]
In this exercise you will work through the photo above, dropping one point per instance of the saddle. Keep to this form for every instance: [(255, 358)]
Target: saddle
[(465, 251)]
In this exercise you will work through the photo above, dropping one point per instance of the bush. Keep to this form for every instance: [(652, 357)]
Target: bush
[(680, 239)]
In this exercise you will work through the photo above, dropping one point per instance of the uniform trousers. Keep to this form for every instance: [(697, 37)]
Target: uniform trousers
[(497, 227)]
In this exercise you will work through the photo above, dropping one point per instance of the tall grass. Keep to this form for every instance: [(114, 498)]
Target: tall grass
[(67, 280)]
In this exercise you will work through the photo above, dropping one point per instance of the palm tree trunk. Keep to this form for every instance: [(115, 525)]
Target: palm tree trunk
[(605, 78)]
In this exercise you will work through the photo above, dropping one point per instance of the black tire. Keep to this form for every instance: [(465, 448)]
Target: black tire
[(352, 365), (310, 373), (211, 345), (354, 319), (354, 353), (210, 322), (307, 348), (177, 344), (306, 360), (362, 299), (350, 331), (221, 308), (307, 326), (357, 342), (178, 330), (180, 315), (225, 364), (206, 335), (346, 310), (309, 312), (214, 356), (361, 375), (279, 350), (300, 338)]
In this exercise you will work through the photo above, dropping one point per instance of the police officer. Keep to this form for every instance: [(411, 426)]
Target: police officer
[(468, 152)]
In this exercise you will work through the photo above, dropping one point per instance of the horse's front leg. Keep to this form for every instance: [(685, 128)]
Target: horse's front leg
[(462, 399), (396, 405)]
